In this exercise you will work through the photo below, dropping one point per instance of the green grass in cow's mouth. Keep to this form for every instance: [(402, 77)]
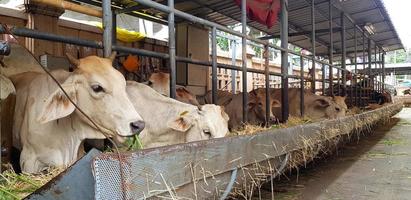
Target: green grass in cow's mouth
[(17, 186), (134, 143)]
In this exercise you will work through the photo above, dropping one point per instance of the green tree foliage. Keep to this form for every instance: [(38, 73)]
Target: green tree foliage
[(223, 43), (398, 56)]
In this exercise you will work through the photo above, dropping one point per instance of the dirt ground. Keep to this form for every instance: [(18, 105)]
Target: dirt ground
[(376, 167)]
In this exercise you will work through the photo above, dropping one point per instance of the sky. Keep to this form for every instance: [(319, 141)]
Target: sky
[(400, 13)]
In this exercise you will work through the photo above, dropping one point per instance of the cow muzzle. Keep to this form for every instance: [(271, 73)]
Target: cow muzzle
[(137, 126)]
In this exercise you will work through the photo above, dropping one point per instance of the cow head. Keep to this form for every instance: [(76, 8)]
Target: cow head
[(257, 104), (328, 107), (160, 82), (99, 90), (210, 121)]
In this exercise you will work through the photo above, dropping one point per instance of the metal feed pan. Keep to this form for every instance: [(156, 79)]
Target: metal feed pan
[(203, 169)]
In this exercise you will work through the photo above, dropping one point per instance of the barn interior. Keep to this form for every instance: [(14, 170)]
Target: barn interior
[(337, 45)]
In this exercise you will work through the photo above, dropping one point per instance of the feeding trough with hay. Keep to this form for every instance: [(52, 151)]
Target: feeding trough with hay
[(219, 168)]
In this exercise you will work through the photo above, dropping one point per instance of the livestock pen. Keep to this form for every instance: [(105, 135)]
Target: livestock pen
[(215, 168)]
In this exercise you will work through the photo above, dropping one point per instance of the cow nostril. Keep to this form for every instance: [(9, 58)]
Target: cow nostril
[(137, 126)]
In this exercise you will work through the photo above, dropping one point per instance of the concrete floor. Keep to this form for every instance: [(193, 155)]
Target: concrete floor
[(376, 167)]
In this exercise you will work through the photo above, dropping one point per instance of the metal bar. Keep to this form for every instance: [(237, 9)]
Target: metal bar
[(323, 79), (380, 59), (233, 62), (244, 57), (362, 81), (331, 49), (107, 28), (313, 45), (360, 63), (284, 59), (267, 85), (355, 70), (25, 32), (338, 82), (302, 86), (369, 70), (300, 33), (344, 55), (214, 65), (172, 49), (383, 70), (114, 31)]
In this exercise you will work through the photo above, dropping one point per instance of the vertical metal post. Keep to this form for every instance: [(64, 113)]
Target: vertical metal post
[(331, 49), (344, 55), (244, 57), (362, 81), (354, 81), (107, 28), (375, 86), (338, 82), (267, 85), (370, 79), (383, 70), (302, 86), (380, 67), (284, 60), (172, 49), (114, 31), (214, 65), (233, 62), (313, 45), (323, 79)]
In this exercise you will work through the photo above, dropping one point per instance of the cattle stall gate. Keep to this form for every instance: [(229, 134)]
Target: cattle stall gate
[(326, 55)]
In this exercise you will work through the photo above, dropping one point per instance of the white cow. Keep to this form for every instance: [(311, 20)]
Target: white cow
[(48, 127), (169, 121)]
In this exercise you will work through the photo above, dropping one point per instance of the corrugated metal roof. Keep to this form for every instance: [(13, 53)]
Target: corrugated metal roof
[(227, 13)]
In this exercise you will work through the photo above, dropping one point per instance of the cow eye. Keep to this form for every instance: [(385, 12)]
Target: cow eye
[(337, 109), (97, 88), (207, 132)]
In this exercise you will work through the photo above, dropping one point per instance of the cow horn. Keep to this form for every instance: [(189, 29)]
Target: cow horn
[(73, 60), (112, 56)]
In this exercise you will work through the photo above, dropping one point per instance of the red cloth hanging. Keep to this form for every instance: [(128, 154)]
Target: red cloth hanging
[(262, 11)]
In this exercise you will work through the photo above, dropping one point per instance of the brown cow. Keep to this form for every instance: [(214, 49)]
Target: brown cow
[(256, 107), (223, 97), (315, 107)]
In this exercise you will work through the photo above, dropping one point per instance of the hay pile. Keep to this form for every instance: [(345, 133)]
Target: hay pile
[(249, 129), (17, 186)]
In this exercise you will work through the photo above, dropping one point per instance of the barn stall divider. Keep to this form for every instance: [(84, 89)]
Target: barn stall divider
[(286, 138), (209, 169)]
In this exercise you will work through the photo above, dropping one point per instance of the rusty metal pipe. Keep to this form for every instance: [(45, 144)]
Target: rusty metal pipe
[(70, 6)]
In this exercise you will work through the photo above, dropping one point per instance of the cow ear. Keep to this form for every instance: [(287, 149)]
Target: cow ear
[(182, 123), (74, 61), (276, 104), (224, 114), (58, 105), (322, 103)]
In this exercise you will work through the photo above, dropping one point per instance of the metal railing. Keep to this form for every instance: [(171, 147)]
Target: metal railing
[(109, 44)]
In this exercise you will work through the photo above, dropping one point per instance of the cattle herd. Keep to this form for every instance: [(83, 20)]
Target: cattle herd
[(49, 129)]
